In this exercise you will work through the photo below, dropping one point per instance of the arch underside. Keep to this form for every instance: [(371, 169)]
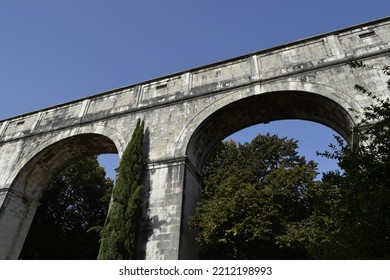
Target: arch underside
[(36, 174), (265, 108)]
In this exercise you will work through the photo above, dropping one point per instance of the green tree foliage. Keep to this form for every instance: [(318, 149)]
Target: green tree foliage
[(318, 233), (76, 200), (354, 221), (119, 235), (365, 223), (252, 192)]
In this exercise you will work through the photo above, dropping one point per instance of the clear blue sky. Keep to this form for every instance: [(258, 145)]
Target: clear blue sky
[(54, 51)]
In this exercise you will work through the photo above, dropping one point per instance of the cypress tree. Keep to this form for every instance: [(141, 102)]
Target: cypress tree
[(120, 232)]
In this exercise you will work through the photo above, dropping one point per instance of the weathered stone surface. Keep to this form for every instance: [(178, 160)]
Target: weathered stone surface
[(185, 115)]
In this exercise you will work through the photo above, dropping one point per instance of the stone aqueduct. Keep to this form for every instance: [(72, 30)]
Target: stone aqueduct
[(185, 115)]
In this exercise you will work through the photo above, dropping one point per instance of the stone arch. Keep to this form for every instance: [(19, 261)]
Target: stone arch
[(290, 96), (104, 131), (264, 108), (32, 179), (247, 111), (37, 172)]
